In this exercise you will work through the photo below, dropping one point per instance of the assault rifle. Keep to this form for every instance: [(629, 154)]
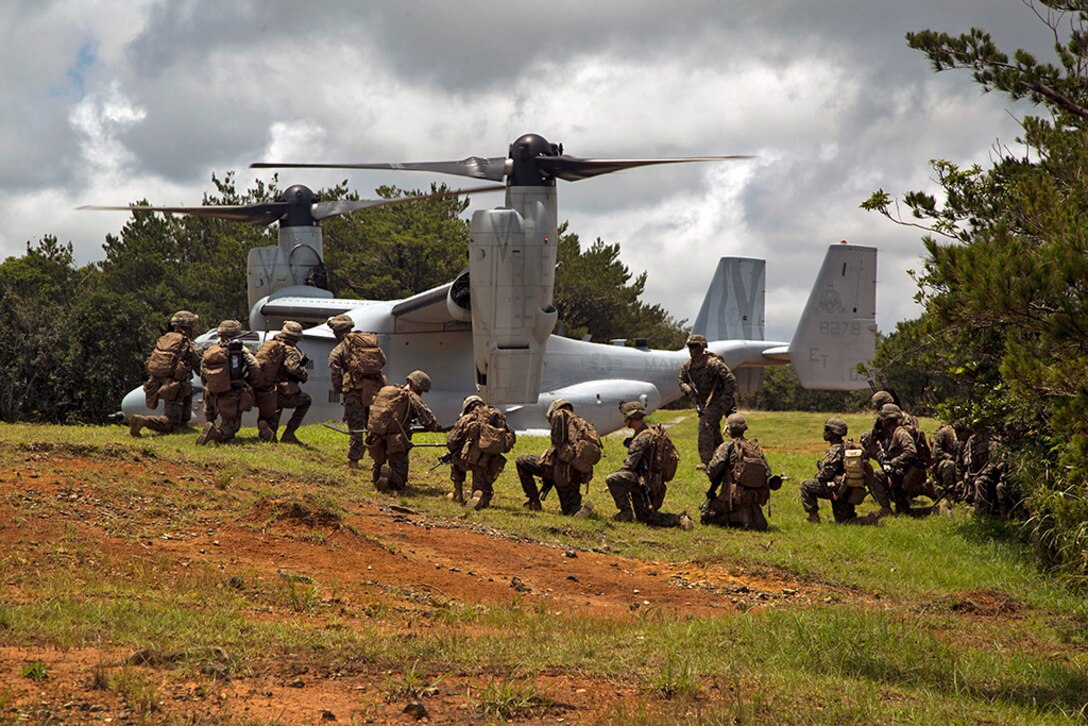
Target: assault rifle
[(695, 392), (349, 432), (444, 459), (547, 487)]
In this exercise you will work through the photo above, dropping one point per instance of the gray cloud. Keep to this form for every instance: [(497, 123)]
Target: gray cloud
[(127, 100)]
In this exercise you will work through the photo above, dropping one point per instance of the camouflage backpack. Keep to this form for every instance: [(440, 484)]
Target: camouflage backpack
[(388, 412), (163, 362), (583, 448), (494, 435), (271, 355), (215, 369), (363, 355), (921, 445), (665, 457), (750, 467)]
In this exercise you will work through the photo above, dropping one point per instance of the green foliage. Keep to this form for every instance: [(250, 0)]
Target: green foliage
[(782, 391), (396, 250), (595, 295), (35, 671), (1004, 336)]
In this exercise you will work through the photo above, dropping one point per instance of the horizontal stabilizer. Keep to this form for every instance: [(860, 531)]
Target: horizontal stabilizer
[(837, 330)]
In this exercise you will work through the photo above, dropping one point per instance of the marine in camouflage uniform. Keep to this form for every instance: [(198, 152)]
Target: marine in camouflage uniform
[(175, 392), (707, 380), (284, 391), (945, 448), (736, 505), (357, 387), (389, 450), (829, 482), (900, 456), (463, 441), (553, 472), (985, 475), (629, 486), (229, 405)]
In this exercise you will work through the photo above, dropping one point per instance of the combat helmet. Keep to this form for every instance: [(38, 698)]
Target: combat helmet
[(881, 398), (836, 426), (183, 319), (229, 329), (291, 330), (556, 405), (341, 323), (889, 411), (736, 423), (470, 403), (419, 380), (632, 409), (696, 340)]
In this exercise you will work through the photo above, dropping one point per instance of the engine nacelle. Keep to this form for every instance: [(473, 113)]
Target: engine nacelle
[(512, 258), (459, 298)]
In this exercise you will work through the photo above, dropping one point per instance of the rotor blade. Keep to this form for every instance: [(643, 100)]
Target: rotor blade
[(324, 210), (571, 168), (478, 167), (256, 214)]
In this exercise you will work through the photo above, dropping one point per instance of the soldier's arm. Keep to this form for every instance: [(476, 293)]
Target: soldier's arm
[(336, 367), (422, 414), (727, 382), (292, 363), (907, 450), (637, 452), (252, 366), (832, 464), (719, 463), (193, 356), (685, 386)]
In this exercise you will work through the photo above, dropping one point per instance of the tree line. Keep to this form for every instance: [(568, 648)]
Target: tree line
[(1003, 339), (73, 338)]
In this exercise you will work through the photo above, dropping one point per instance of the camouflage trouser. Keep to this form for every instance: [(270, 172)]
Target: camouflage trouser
[(356, 412), (842, 508), (629, 497), (484, 475), (391, 454), (570, 494), (991, 494), (880, 489), (944, 473), (300, 402), (227, 408), (710, 428), (739, 507), (172, 418)]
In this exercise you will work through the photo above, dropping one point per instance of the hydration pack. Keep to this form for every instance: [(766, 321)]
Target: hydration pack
[(163, 362)]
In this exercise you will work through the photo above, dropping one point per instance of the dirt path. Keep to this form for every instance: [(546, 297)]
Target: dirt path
[(377, 555)]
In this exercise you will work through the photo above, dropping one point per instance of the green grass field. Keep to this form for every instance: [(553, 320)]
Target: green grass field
[(898, 639)]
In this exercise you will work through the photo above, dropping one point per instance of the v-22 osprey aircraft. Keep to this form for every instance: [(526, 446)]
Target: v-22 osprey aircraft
[(490, 330)]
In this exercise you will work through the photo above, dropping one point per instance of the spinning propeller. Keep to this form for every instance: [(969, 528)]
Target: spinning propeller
[(296, 206), (532, 161)]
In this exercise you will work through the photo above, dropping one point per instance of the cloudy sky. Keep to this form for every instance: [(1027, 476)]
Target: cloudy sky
[(111, 101)]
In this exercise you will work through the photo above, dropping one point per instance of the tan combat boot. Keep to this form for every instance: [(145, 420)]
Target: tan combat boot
[(135, 423), (814, 517), (458, 493)]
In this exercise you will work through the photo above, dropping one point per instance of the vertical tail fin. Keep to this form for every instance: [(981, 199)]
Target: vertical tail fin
[(837, 330), (734, 304), (733, 309)]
